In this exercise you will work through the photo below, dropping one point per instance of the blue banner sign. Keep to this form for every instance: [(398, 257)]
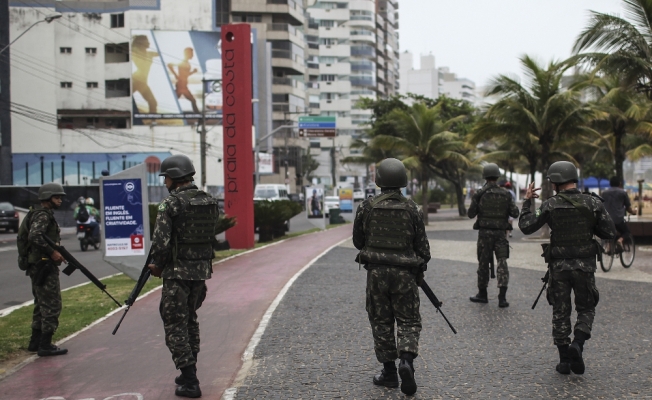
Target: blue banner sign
[(123, 217)]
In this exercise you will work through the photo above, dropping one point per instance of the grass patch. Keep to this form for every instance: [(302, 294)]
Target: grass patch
[(81, 306)]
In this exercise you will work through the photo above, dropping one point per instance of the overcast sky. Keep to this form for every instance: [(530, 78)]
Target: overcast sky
[(479, 39)]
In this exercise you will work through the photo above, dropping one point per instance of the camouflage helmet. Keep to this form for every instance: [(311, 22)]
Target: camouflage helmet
[(48, 190), (391, 174), (562, 172), (490, 170), (177, 167)]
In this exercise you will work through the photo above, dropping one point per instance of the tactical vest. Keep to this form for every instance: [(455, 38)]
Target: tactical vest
[(571, 232), (389, 233), (193, 230), (493, 209), (34, 255)]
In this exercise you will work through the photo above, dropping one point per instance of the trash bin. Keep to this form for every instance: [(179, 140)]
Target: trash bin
[(334, 216)]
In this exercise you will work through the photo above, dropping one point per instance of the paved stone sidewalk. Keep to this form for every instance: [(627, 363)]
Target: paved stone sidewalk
[(318, 344)]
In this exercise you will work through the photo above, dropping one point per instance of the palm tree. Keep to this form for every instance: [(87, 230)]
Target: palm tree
[(423, 141), (621, 46), (536, 117), (619, 111)]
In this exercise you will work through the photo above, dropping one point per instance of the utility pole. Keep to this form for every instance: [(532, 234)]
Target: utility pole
[(6, 167), (202, 135)]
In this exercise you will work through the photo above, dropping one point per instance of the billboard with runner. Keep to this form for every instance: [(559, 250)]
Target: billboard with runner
[(123, 217), (168, 71)]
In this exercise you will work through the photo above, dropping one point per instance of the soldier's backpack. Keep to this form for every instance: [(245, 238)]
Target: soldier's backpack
[(82, 214), (22, 243)]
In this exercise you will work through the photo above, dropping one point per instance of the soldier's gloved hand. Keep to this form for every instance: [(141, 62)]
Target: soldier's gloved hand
[(419, 278), (155, 270)]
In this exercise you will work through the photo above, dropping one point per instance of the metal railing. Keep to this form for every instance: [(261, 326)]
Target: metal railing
[(288, 82), (289, 3), (288, 54)]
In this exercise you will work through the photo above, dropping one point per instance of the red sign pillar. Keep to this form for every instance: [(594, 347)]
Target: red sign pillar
[(237, 121)]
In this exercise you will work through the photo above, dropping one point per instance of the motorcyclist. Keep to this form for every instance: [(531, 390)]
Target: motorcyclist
[(93, 218)]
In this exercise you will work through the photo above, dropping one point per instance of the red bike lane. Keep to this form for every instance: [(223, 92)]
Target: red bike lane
[(136, 364)]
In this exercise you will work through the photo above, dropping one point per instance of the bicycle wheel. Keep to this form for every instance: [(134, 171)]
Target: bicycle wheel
[(607, 259), (629, 252)]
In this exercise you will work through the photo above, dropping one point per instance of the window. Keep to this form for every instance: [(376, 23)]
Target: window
[(328, 41), (65, 123), (326, 23), (117, 20), (92, 121), (247, 18), (118, 123), (222, 11), (117, 88), (327, 78), (91, 85), (116, 53), (91, 50), (66, 85), (65, 50)]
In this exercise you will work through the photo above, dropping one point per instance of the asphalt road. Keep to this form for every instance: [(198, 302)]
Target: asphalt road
[(15, 287)]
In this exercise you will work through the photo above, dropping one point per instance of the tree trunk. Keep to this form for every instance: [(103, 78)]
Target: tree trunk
[(619, 154), (461, 208), (424, 199)]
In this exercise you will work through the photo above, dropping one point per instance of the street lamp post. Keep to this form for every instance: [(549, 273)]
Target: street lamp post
[(47, 19)]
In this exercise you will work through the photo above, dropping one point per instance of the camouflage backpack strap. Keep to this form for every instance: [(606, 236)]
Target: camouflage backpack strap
[(588, 214), (374, 202)]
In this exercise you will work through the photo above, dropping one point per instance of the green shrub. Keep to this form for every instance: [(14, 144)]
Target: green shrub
[(434, 196), (270, 217)]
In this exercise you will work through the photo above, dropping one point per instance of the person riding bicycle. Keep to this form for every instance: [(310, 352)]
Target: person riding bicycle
[(616, 202)]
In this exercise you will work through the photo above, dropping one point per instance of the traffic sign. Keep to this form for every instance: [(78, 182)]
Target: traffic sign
[(317, 122), (317, 132)]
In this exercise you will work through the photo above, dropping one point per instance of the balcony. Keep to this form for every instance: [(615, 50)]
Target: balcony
[(335, 69), (285, 32), (363, 51), (337, 50), (335, 105), (335, 87), (334, 14), (288, 86), (341, 32), (365, 81), (286, 59), (291, 8)]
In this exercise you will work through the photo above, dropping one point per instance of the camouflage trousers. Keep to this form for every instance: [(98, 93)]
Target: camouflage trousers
[(393, 296), (492, 241), (582, 284), (47, 301), (180, 300)]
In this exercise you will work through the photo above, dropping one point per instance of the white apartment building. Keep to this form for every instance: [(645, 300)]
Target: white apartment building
[(432, 82), (71, 90)]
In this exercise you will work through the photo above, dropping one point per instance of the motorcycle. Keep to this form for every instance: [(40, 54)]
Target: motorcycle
[(85, 237)]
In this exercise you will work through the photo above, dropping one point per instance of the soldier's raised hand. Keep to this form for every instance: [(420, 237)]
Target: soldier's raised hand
[(531, 192)]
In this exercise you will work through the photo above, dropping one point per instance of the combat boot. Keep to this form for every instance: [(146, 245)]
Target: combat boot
[(406, 371), (179, 379), (34, 341), (564, 366), (502, 300), (481, 297), (190, 387), (388, 376), (575, 351), (46, 348)]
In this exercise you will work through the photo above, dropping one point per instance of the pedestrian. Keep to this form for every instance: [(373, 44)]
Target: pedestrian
[(40, 262), (182, 253), (573, 219), (390, 234), (493, 206), (616, 202)]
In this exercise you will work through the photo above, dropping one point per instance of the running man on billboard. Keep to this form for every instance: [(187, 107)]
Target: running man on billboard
[(183, 72), (143, 61)]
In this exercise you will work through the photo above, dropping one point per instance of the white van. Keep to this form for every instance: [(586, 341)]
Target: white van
[(271, 192)]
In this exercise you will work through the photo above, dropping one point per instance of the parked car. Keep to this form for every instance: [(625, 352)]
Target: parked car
[(358, 195), (8, 217), (331, 202)]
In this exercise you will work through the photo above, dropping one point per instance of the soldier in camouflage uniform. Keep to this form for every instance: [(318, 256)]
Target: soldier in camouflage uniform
[(42, 267), (182, 252), (390, 234), (573, 218), (493, 206)]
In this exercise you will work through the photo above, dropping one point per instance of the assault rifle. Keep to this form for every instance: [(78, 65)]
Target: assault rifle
[(435, 302), (73, 265), (142, 280), (545, 283)]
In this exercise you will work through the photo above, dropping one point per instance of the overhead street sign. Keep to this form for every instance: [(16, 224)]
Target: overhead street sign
[(317, 122), (317, 132)]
